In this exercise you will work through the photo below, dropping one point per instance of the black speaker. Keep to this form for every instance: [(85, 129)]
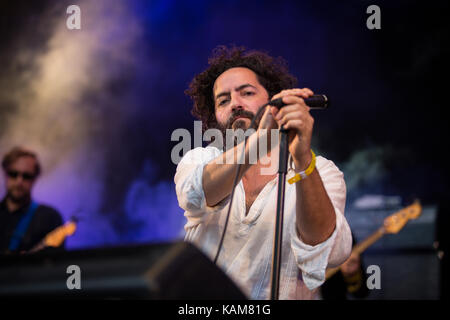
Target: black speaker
[(175, 270)]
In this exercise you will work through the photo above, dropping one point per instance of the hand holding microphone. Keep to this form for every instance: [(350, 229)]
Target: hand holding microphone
[(317, 101), (291, 111)]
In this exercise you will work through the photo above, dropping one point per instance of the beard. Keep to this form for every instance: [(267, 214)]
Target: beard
[(234, 123), (18, 195), (237, 121)]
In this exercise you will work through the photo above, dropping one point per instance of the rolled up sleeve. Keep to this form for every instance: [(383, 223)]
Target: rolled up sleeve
[(189, 186), (313, 260)]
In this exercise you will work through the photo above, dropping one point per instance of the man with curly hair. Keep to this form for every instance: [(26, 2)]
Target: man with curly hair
[(316, 235)]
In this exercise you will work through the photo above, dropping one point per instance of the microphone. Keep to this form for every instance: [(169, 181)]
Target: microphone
[(317, 101)]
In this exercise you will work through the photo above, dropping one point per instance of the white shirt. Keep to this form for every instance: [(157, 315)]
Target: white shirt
[(246, 254)]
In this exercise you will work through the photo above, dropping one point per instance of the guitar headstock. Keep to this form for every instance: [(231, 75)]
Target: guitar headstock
[(395, 222), (57, 236)]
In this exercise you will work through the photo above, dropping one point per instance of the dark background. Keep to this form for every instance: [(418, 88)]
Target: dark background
[(99, 104)]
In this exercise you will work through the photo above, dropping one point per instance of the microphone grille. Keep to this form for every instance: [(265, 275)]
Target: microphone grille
[(318, 101)]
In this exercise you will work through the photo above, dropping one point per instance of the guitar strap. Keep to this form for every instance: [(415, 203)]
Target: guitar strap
[(22, 227)]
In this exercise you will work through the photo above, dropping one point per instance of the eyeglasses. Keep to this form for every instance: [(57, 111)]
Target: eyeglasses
[(25, 175)]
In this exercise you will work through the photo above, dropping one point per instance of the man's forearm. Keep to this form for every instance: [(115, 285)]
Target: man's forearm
[(218, 175), (316, 218)]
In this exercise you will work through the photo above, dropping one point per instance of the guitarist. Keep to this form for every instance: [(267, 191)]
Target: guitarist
[(23, 222)]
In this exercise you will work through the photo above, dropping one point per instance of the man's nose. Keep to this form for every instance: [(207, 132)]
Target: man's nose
[(236, 103), (18, 179), (234, 108)]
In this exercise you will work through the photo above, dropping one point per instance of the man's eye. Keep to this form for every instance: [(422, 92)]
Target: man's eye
[(222, 102), (248, 93)]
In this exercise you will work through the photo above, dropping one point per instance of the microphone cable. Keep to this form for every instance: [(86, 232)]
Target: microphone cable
[(235, 182)]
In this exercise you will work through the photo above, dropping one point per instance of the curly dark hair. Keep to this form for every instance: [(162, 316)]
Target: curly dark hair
[(272, 74)]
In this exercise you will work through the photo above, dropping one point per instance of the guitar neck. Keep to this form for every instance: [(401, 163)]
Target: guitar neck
[(361, 247), (41, 245), (56, 237), (358, 249), (392, 224)]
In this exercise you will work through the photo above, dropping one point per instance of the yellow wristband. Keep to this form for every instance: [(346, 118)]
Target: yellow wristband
[(304, 174)]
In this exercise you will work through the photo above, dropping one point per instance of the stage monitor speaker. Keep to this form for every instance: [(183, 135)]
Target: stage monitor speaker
[(175, 270)]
